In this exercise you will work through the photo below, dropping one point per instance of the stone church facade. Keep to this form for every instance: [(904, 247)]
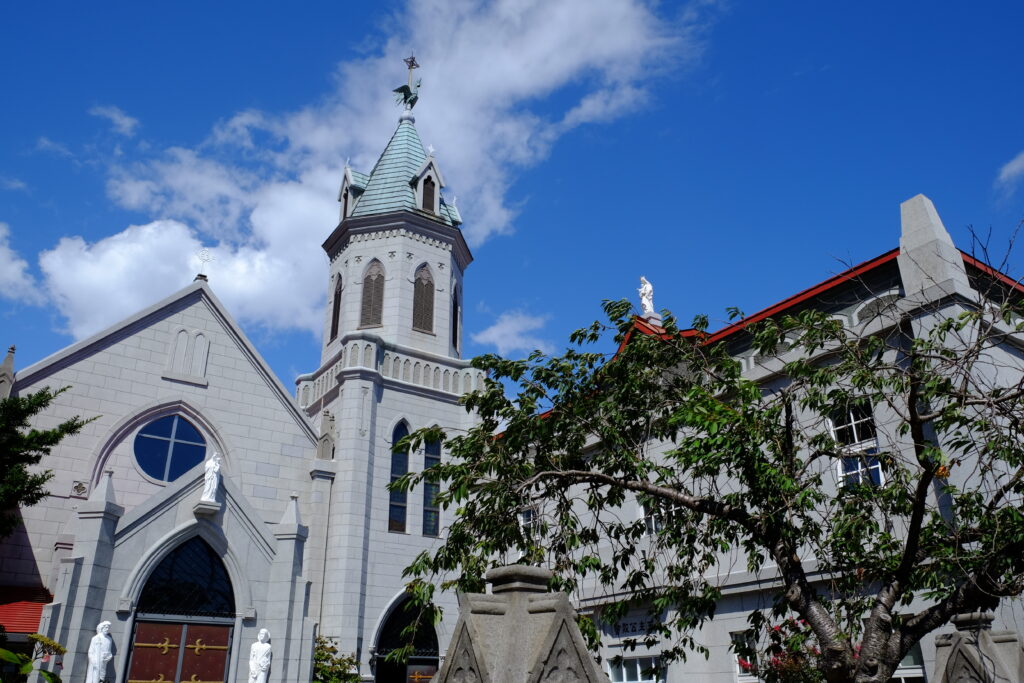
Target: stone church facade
[(303, 537)]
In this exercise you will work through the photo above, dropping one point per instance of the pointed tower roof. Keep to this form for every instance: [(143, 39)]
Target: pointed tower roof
[(390, 186)]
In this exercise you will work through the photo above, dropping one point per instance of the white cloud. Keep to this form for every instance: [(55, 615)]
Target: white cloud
[(122, 123), (13, 184), (510, 333), (1011, 173), (16, 283), (45, 144), (263, 186)]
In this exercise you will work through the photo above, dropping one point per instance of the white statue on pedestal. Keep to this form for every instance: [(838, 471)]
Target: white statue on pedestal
[(646, 298), (259, 658), (211, 480), (101, 651)]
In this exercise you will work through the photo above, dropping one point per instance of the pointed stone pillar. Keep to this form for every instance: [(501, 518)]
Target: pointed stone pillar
[(931, 267), (288, 596), (520, 633), (7, 373), (977, 653), (82, 586)]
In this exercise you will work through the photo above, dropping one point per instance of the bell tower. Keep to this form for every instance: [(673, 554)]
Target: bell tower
[(391, 362)]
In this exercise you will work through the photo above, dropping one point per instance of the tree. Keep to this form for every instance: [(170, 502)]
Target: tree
[(21, 447), (42, 649), (330, 667), (868, 550)]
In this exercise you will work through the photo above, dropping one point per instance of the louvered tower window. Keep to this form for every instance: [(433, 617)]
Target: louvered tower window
[(423, 300), (371, 311), (398, 500), (336, 308), (344, 204), (428, 193)]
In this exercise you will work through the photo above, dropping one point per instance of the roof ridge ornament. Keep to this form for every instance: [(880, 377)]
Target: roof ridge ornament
[(408, 94)]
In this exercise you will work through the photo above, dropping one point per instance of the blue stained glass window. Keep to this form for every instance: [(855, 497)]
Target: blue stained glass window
[(168, 447)]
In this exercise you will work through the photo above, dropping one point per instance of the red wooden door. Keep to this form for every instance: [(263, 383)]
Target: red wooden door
[(206, 654), (176, 652), (420, 673)]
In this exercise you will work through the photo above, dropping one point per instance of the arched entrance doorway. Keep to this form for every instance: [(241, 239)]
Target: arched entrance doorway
[(422, 664), (184, 619)]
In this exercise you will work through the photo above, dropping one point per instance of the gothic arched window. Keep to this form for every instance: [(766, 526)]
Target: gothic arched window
[(190, 581), (423, 300), (336, 308), (398, 502), (429, 193), (456, 313), (431, 510), (371, 311), (344, 204)]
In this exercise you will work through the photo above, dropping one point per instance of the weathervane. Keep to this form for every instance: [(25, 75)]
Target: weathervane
[(408, 94), (204, 257)]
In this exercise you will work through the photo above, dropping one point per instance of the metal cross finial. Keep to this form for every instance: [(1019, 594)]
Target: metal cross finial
[(411, 63), (205, 257)]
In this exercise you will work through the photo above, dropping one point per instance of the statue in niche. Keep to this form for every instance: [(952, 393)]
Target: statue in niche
[(101, 651), (259, 658), (646, 298), (211, 480)]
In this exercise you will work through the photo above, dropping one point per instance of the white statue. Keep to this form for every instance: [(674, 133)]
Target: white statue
[(211, 480), (259, 658), (101, 651), (646, 298)]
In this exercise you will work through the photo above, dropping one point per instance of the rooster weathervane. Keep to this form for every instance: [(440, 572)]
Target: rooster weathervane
[(408, 94)]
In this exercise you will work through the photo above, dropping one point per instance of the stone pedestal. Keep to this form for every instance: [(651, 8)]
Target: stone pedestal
[(977, 654), (520, 633), (205, 508)]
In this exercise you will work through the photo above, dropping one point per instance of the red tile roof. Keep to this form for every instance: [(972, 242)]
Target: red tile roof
[(21, 607)]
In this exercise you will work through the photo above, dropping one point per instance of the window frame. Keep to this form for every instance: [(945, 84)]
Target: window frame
[(398, 500), (748, 640), (371, 308), (336, 308), (643, 662), (171, 441), (855, 431), (423, 300), (431, 488)]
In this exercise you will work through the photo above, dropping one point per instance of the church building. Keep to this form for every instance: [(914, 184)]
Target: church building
[(297, 532)]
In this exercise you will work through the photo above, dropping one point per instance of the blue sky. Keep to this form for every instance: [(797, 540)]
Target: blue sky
[(733, 153)]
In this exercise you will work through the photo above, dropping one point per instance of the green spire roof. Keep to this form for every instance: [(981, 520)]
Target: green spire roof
[(388, 187)]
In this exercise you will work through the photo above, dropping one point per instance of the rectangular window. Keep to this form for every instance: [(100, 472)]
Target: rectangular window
[(431, 511), (911, 669), (529, 521), (744, 647), (862, 468), (636, 670), (657, 516), (853, 429)]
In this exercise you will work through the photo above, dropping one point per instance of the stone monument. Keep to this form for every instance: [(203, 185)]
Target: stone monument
[(977, 654), (260, 655), (101, 651), (519, 633)]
